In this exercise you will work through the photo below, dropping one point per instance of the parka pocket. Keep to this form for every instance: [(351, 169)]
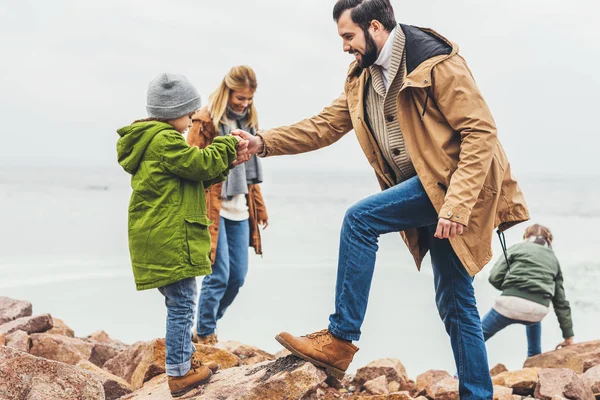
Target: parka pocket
[(198, 239)]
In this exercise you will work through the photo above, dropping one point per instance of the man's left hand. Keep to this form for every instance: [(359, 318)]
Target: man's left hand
[(447, 229)]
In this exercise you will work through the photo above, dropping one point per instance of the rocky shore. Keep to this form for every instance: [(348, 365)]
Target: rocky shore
[(42, 359)]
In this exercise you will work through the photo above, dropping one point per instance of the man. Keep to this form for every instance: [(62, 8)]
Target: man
[(431, 139)]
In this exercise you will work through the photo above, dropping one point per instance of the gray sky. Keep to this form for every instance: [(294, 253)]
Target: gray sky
[(72, 72)]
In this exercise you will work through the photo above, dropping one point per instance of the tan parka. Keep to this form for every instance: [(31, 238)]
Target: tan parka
[(450, 135)]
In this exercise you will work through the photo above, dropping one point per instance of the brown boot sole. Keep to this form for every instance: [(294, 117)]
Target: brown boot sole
[(333, 371), (187, 389)]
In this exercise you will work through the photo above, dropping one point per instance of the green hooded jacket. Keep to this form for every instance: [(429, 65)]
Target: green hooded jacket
[(534, 275), (168, 227)]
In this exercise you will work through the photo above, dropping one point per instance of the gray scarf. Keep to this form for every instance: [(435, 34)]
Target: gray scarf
[(244, 174)]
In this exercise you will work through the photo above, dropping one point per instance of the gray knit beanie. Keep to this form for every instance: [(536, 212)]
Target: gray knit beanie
[(171, 96)]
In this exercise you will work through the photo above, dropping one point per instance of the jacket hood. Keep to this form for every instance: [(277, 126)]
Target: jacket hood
[(134, 140)]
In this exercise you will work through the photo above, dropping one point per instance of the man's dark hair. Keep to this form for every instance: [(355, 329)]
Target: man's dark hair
[(365, 11)]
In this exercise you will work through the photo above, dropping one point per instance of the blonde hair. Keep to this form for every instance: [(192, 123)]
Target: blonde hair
[(238, 78), (538, 230)]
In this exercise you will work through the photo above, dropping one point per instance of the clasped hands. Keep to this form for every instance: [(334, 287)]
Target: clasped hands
[(247, 146)]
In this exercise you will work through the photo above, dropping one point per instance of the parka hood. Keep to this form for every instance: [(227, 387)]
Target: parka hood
[(134, 140)]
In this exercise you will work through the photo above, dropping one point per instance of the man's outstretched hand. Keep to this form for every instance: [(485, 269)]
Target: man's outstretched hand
[(255, 143), (448, 229)]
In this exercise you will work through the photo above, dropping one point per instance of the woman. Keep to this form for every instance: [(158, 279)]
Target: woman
[(236, 206), (529, 280)]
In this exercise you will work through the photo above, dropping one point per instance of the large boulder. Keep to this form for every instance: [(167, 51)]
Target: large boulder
[(60, 348), (378, 385), (502, 393), (60, 328), (33, 324), (522, 382), (392, 369), (498, 369), (248, 355), (579, 357), (446, 389), (19, 340), (11, 309), (27, 377), (224, 358), (104, 347), (114, 387), (561, 383), (284, 378), (592, 378), (427, 380), (139, 363)]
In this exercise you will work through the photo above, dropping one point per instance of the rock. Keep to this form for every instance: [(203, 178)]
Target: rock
[(224, 358), (27, 377), (392, 369), (11, 309), (60, 328), (114, 387), (284, 378), (498, 369), (522, 382), (391, 396), (60, 348), (19, 340), (104, 348), (446, 389), (592, 378), (394, 387), (427, 380), (34, 324), (100, 337), (282, 353), (578, 357), (561, 383), (502, 393), (139, 363), (2, 339), (248, 355), (378, 385)]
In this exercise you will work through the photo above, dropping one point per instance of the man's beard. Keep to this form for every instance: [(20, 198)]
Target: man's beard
[(370, 55)]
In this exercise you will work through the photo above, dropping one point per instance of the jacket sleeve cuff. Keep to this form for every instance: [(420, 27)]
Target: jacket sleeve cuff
[(567, 333), (263, 152), (455, 213)]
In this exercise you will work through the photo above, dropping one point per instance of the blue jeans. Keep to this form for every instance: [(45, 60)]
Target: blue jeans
[(397, 209), (228, 274), (180, 299), (494, 322)]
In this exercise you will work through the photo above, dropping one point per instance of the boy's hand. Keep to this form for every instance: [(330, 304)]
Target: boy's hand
[(566, 342), (242, 151)]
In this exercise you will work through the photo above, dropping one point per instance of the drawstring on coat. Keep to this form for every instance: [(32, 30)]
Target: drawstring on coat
[(503, 244)]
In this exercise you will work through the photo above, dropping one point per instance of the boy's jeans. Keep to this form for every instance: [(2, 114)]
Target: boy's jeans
[(401, 207), (180, 299), (228, 274), (494, 322)]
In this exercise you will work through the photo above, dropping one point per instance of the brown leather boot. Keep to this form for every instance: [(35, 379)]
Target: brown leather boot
[(322, 349), (180, 385), (197, 363), (209, 340)]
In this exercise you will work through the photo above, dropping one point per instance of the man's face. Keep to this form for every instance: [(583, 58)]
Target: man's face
[(356, 41)]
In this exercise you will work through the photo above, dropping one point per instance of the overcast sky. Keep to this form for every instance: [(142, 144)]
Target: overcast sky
[(72, 72)]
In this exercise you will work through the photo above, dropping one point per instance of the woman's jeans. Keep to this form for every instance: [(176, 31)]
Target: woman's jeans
[(180, 299), (494, 322), (399, 208), (228, 274)]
